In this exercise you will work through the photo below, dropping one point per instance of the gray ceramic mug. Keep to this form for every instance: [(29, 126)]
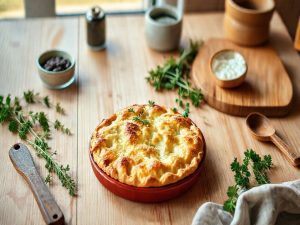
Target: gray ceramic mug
[(163, 26)]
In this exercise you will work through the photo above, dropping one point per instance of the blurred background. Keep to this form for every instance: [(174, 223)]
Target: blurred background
[(289, 10), (16, 8)]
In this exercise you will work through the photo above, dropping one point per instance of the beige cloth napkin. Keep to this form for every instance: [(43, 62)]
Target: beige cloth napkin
[(267, 204)]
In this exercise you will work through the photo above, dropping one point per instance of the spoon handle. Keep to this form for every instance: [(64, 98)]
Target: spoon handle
[(291, 154), (23, 162)]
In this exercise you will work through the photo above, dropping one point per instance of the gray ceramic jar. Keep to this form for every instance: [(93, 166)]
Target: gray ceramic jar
[(163, 28)]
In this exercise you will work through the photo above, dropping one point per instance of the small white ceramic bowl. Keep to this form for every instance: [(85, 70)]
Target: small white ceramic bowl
[(228, 83), (56, 80)]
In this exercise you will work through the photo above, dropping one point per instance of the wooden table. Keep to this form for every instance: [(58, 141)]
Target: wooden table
[(107, 81)]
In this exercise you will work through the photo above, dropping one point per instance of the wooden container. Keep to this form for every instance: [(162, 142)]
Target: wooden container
[(246, 22), (297, 38)]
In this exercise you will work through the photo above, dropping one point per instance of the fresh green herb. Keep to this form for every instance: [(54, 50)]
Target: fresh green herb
[(151, 103), (186, 110), (140, 120), (47, 101), (59, 126), (43, 120), (131, 110), (242, 175), (59, 109), (13, 126), (25, 127), (179, 102), (30, 96), (174, 74), (17, 104), (34, 129), (174, 110), (48, 179)]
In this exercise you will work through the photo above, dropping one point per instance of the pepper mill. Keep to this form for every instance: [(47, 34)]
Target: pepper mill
[(95, 24)]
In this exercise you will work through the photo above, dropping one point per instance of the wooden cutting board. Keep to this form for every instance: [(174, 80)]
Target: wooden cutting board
[(267, 88)]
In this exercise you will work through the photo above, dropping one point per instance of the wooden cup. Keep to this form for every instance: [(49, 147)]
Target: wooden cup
[(247, 22)]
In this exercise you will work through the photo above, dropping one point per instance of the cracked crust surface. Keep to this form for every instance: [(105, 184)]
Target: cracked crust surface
[(161, 148)]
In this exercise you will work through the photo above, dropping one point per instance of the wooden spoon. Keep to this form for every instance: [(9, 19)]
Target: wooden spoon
[(262, 130), (22, 161)]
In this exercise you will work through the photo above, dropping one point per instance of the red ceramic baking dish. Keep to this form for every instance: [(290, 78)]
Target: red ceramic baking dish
[(148, 194)]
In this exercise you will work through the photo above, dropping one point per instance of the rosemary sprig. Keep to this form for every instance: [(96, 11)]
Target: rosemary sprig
[(174, 74), (242, 175), (27, 126)]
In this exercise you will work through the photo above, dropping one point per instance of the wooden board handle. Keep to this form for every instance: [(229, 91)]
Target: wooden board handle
[(23, 162), (292, 155)]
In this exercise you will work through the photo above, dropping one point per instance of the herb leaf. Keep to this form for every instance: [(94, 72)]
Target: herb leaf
[(140, 120), (151, 103), (131, 110), (29, 126), (187, 110), (174, 74), (13, 126), (259, 165), (30, 96), (59, 126), (59, 109), (46, 101)]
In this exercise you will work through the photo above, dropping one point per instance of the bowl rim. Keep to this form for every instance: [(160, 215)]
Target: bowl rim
[(227, 50), (168, 9), (252, 11), (168, 187), (54, 52)]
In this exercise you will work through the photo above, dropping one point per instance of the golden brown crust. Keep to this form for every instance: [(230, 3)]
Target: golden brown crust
[(160, 148)]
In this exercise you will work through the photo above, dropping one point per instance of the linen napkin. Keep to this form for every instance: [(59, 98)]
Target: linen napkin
[(267, 204)]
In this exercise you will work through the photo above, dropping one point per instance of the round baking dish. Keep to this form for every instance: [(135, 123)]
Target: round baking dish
[(148, 194)]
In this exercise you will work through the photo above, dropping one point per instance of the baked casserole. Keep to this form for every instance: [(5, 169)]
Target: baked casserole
[(147, 146)]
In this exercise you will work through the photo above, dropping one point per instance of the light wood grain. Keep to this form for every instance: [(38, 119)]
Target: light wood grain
[(115, 78), (21, 42), (108, 81), (259, 92)]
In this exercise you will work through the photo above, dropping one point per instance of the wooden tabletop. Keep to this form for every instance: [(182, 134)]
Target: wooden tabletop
[(107, 81)]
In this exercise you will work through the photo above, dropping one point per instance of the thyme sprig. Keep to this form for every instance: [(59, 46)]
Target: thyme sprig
[(34, 129), (59, 126), (140, 120), (260, 167), (151, 103), (174, 74), (131, 110), (32, 97), (186, 111)]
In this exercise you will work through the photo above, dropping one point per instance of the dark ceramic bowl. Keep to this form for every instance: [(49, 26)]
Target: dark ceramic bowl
[(148, 194)]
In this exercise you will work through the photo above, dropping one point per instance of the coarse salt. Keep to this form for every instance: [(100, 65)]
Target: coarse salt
[(228, 65)]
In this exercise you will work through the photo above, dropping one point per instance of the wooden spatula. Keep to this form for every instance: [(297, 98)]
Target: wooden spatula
[(23, 162)]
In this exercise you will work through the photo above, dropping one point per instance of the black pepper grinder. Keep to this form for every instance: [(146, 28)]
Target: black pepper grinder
[(95, 23)]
